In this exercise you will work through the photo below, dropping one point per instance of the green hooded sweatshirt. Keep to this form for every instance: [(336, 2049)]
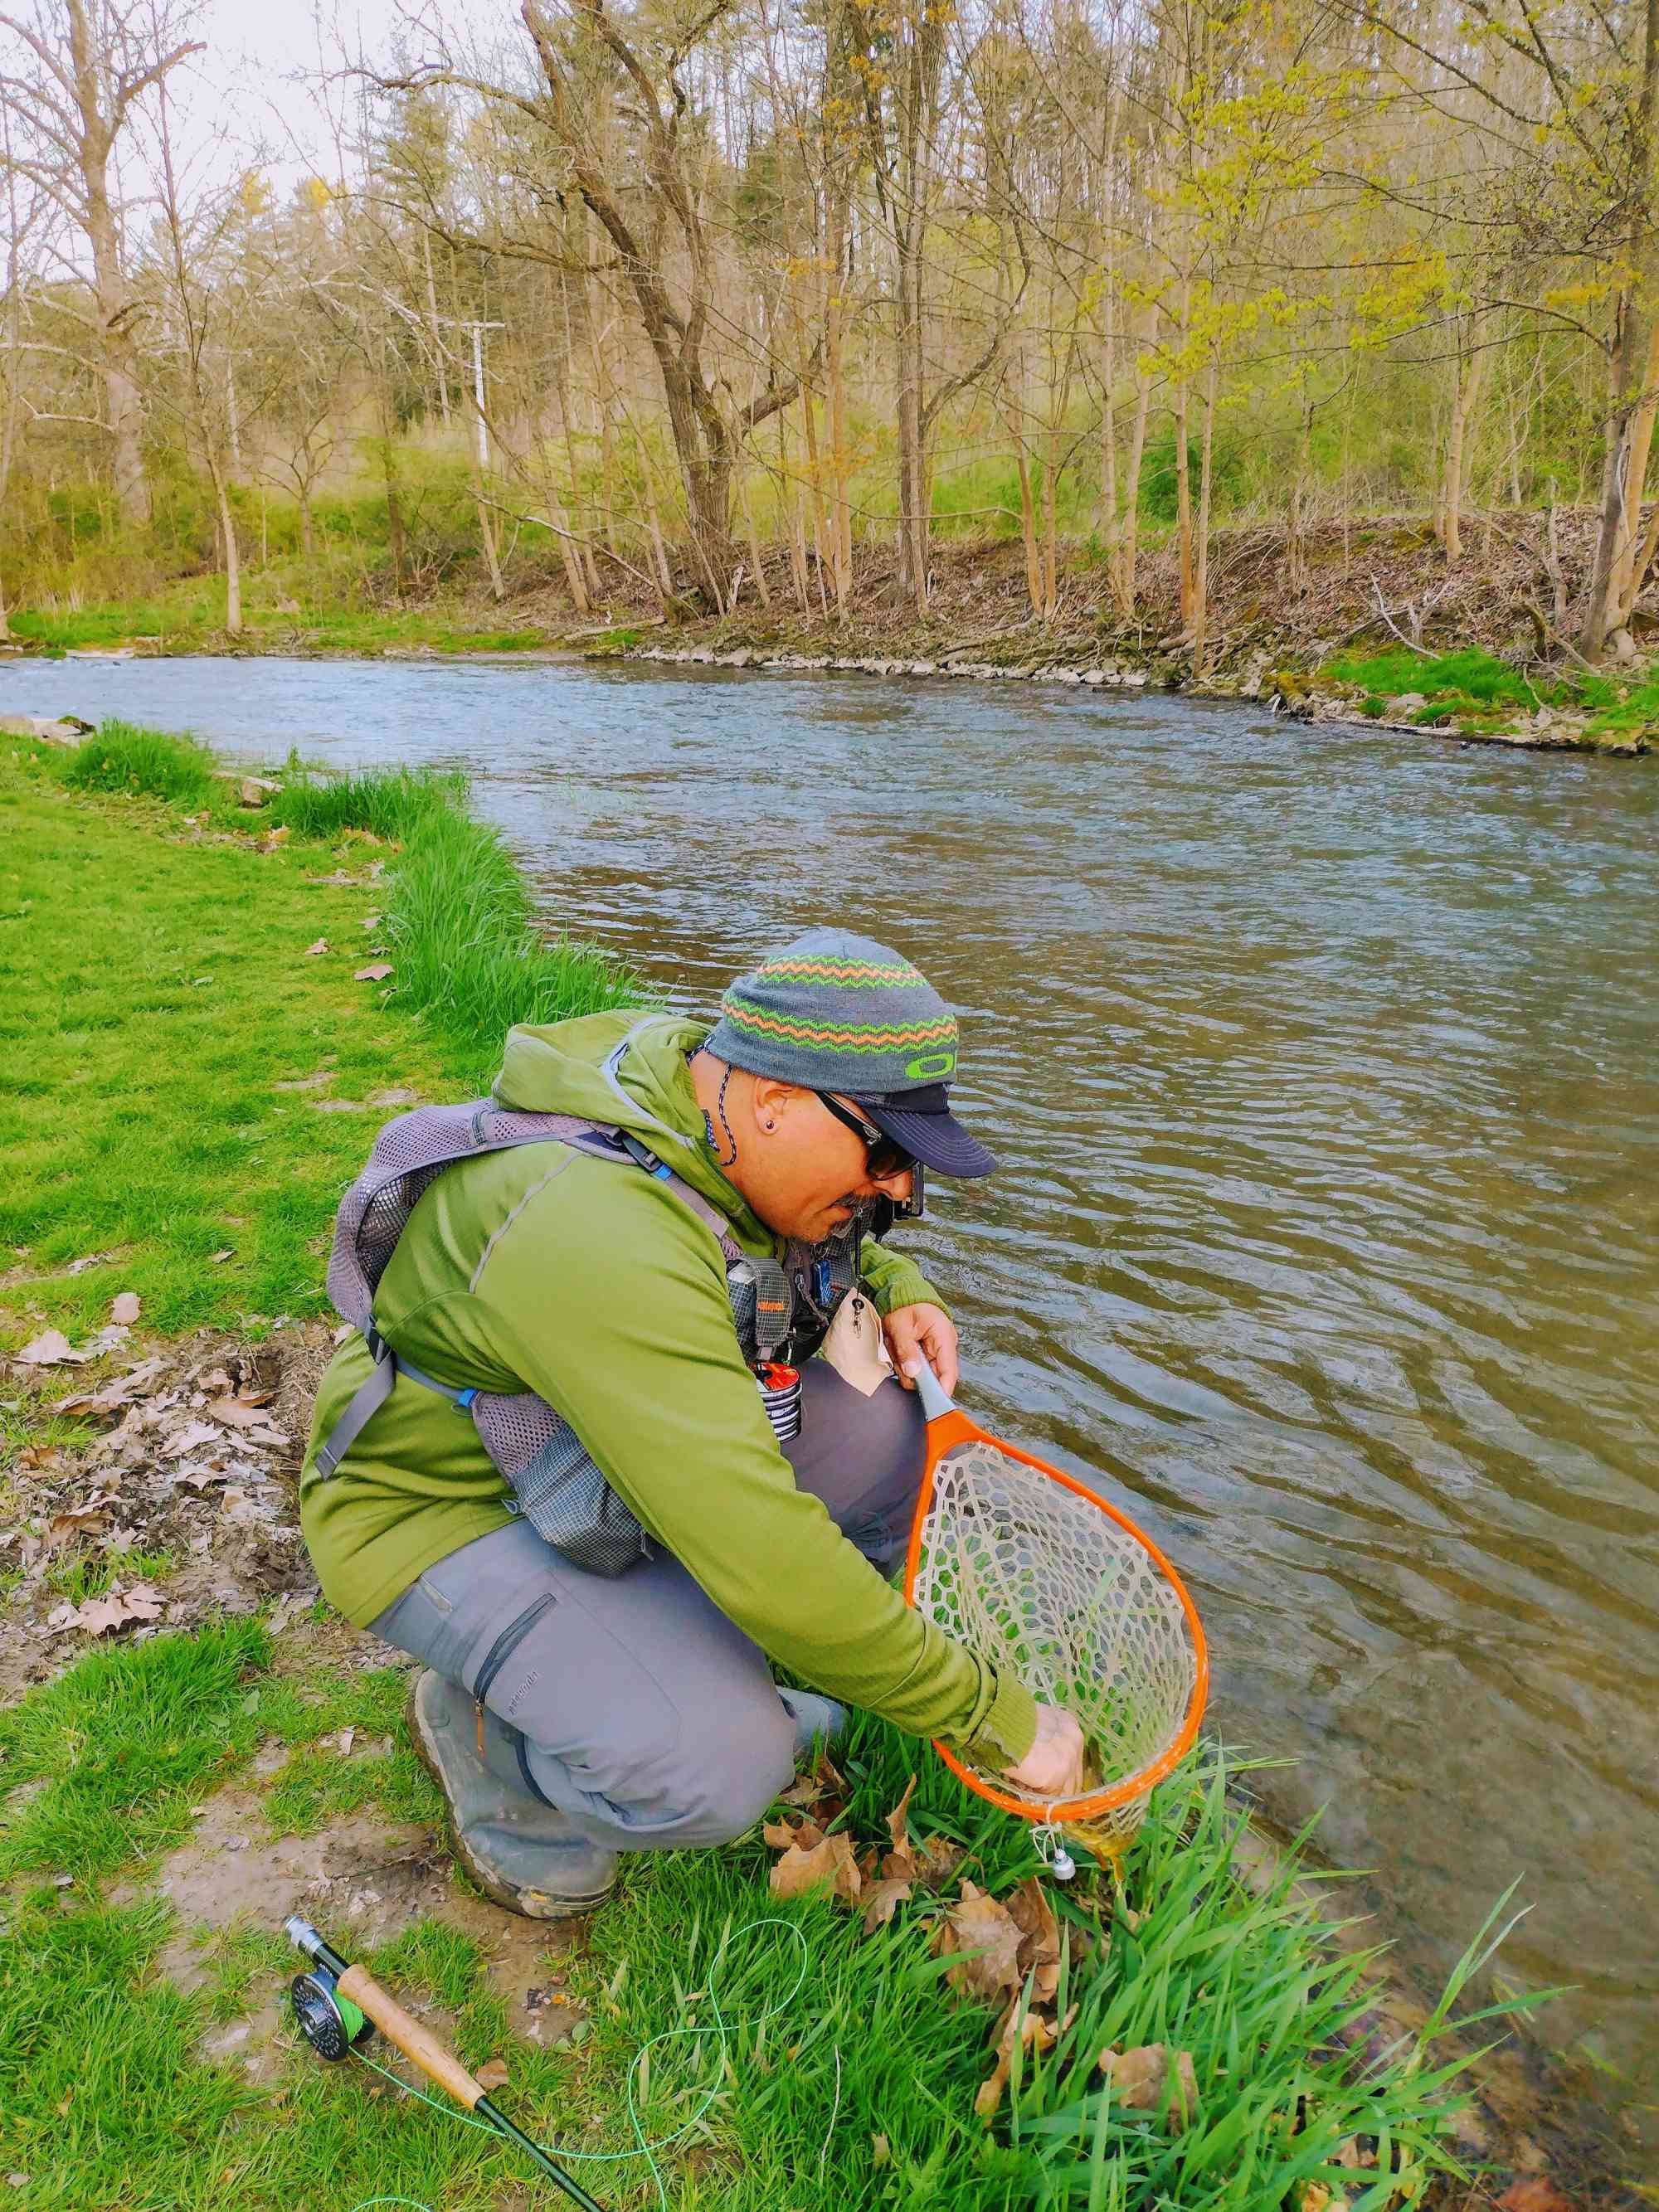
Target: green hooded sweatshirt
[(596, 1287)]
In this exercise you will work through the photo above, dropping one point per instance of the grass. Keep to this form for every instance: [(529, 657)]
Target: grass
[(160, 1004), (147, 762), (189, 618), (1476, 689), (121, 1747), (780, 2043)]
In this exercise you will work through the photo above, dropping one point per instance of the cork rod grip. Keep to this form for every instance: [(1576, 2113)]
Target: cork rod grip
[(414, 2041)]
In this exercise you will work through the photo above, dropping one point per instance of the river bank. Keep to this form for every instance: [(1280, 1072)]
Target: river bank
[(1360, 623), (244, 861)]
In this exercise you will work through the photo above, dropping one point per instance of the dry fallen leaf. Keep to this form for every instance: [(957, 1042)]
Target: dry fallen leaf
[(828, 1864), (881, 1901), (1039, 1948), (880, 2150), (235, 1413), (1141, 2081), (979, 1923), (123, 1308), (50, 1349), (321, 945), (115, 1395), (187, 1440), (492, 2074), (86, 1518), (1019, 2026), (376, 972), (1534, 2193), (218, 1259), (101, 1614)]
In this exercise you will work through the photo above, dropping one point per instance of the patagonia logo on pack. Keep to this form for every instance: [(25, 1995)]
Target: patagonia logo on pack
[(929, 1066)]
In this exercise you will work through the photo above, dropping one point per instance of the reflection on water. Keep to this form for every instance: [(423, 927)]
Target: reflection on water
[(1322, 1070)]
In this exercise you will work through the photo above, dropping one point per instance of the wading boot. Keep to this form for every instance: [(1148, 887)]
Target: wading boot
[(520, 1853), (814, 1714)]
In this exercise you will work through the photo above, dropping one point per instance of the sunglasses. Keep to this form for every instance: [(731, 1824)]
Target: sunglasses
[(886, 1157)]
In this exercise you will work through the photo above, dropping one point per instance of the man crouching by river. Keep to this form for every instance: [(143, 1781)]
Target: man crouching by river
[(596, 1629)]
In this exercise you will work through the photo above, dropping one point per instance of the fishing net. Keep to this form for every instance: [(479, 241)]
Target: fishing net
[(1047, 1581)]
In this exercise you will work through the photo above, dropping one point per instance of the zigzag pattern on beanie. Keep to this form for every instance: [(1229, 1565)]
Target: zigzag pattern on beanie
[(833, 1012)]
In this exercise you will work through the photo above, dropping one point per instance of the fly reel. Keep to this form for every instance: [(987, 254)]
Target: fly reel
[(329, 2023)]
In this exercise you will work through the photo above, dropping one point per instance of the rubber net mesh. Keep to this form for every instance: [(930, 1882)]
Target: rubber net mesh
[(1042, 1582)]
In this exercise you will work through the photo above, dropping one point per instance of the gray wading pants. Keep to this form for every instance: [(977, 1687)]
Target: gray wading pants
[(645, 1714)]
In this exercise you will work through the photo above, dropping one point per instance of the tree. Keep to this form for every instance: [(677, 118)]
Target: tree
[(78, 73), (647, 189)]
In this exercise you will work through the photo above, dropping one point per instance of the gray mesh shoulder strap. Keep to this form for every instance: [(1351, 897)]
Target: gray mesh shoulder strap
[(408, 1155)]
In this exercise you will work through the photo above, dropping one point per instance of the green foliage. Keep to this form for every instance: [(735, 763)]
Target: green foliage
[(120, 758), (1159, 491)]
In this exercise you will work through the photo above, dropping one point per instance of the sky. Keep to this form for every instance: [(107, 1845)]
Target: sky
[(247, 88)]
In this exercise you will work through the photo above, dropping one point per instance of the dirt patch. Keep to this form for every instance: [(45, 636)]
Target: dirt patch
[(184, 1506), (361, 1881)]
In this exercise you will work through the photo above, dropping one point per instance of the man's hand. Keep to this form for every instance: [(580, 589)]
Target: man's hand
[(922, 1331), (1053, 1767)]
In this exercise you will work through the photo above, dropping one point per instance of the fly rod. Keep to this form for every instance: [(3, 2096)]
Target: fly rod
[(338, 2006)]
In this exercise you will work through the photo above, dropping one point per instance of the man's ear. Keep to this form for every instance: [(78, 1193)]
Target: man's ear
[(772, 1100)]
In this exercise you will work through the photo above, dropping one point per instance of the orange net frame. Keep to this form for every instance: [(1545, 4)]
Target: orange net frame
[(1047, 1581)]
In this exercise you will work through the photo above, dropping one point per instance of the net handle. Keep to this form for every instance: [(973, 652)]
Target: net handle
[(954, 1428), (936, 1399)]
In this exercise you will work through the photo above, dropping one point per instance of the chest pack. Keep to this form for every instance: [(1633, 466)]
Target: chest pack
[(776, 1305)]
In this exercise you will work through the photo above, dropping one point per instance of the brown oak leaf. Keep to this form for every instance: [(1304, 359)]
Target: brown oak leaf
[(52, 1348), (98, 1615), (1534, 2192), (828, 1864), (1036, 2031), (492, 2074), (981, 1925), (1039, 1945), (881, 1901), (1141, 2081)]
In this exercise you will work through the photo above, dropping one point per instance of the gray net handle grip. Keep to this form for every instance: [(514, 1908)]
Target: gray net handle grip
[(935, 1398)]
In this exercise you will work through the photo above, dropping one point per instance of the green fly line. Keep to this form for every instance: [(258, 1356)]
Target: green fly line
[(644, 2148)]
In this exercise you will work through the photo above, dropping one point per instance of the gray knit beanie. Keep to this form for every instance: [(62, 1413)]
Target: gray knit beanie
[(833, 1011)]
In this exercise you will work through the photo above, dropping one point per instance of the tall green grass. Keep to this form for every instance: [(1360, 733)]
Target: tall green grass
[(147, 762), (459, 924), (457, 920)]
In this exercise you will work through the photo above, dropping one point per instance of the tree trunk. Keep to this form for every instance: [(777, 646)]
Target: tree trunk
[(122, 400), (1463, 401), (1626, 569), (233, 554), (307, 547), (1123, 580), (841, 517), (434, 329), (1202, 580), (1621, 490)]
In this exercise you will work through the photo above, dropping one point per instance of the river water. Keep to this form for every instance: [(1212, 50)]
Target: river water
[(1322, 1069)]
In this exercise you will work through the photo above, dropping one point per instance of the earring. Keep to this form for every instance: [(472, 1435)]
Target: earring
[(771, 1125)]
